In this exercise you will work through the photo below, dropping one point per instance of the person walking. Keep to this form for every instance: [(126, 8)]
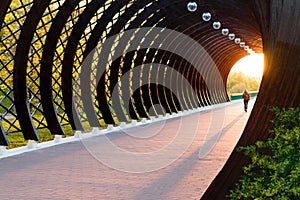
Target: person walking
[(246, 97)]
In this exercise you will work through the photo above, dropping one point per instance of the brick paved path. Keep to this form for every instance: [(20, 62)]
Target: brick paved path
[(74, 171)]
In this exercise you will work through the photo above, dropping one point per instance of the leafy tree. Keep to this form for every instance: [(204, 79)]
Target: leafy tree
[(238, 82), (276, 174), (9, 34)]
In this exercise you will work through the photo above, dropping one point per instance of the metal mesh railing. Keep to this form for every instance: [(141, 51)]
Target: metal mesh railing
[(43, 47)]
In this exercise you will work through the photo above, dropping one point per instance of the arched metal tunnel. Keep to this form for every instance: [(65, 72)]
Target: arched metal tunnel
[(96, 62), (49, 68)]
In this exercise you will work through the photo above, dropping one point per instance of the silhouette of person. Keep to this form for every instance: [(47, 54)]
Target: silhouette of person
[(246, 97)]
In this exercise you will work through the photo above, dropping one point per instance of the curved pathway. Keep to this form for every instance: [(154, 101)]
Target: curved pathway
[(73, 170)]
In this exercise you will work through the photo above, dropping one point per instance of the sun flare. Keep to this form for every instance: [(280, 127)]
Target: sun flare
[(252, 65)]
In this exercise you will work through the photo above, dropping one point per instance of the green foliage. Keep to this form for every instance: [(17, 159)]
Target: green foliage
[(238, 82), (9, 33), (17, 139), (274, 170)]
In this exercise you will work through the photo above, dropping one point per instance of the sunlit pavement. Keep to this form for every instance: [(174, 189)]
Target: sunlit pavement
[(73, 171)]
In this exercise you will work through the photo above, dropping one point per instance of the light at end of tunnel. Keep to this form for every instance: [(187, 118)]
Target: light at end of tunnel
[(250, 51), (252, 65)]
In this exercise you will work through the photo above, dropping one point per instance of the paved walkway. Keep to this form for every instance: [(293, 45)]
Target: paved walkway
[(160, 161)]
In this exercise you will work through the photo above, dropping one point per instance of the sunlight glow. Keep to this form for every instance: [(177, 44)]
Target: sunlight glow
[(252, 65)]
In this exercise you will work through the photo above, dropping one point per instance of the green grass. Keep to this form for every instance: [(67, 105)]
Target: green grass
[(17, 139), (4, 103)]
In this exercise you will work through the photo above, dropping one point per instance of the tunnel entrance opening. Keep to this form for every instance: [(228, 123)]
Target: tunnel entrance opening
[(245, 74)]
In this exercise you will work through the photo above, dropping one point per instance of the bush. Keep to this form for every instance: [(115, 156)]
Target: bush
[(276, 174)]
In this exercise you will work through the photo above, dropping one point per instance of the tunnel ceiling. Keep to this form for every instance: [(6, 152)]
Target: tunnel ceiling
[(235, 15), (44, 44)]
